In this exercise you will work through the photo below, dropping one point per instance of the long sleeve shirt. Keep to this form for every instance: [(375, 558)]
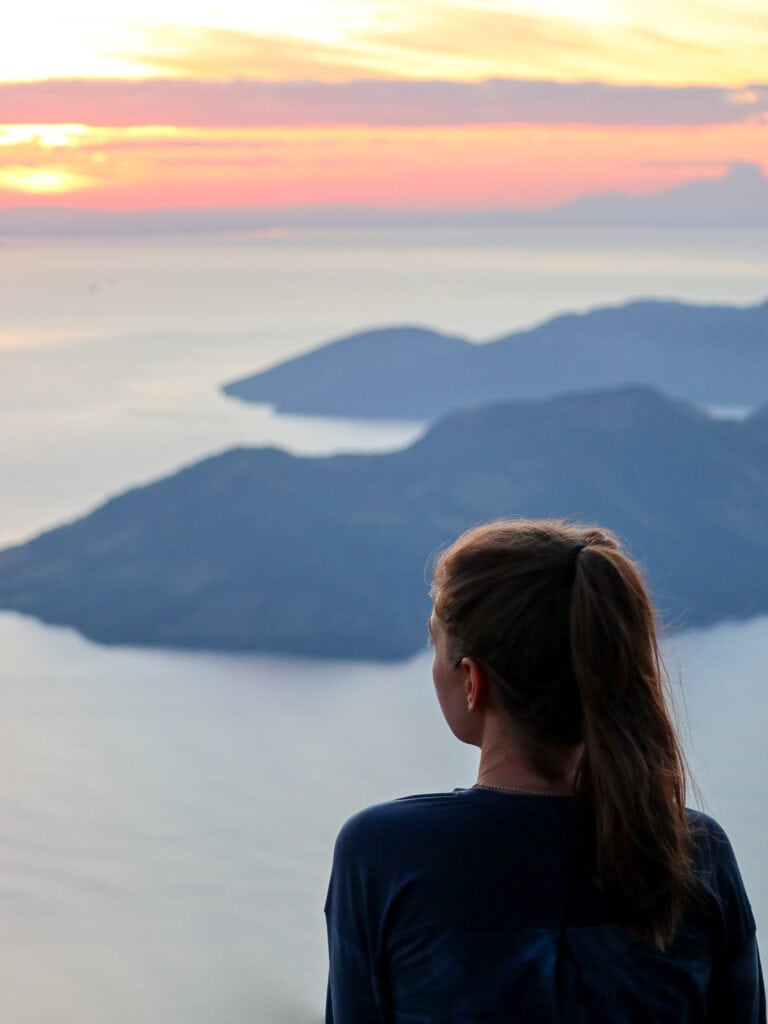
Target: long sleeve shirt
[(478, 907)]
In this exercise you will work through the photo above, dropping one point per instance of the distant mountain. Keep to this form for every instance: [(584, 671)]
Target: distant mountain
[(736, 199), (259, 550), (711, 355), (396, 372)]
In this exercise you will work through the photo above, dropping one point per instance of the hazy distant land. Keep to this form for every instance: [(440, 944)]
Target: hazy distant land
[(736, 199), (259, 550), (710, 355)]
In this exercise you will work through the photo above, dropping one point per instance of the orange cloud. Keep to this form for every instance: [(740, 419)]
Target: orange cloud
[(476, 167)]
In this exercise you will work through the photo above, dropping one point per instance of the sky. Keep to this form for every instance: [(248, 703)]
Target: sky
[(456, 105)]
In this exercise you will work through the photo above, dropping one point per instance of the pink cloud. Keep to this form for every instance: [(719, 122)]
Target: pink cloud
[(254, 103)]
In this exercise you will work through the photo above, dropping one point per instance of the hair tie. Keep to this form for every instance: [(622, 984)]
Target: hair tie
[(570, 564)]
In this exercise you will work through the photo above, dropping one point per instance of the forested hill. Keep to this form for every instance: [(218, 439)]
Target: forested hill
[(711, 355), (256, 549)]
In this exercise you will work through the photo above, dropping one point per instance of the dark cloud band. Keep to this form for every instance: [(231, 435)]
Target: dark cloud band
[(377, 103)]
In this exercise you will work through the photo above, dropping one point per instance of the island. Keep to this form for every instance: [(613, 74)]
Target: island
[(261, 550), (711, 355)]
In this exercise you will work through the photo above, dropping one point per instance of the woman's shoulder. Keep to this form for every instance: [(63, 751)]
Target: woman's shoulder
[(407, 822), (717, 873), (714, 860), (406, 811), (710, 840), (423, 820)]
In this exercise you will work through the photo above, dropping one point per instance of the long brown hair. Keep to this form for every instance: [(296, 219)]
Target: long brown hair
[(561, 617)]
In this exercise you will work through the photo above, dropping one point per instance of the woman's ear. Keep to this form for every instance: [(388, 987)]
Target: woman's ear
[(475, 683)]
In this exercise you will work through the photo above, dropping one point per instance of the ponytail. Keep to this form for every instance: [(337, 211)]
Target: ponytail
[(562, 619), (631, 780)]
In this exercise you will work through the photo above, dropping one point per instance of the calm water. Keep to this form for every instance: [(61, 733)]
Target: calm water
[(167, 819), (110, 351)]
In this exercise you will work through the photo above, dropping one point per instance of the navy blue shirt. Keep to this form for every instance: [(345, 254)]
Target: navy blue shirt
[(478, 907)]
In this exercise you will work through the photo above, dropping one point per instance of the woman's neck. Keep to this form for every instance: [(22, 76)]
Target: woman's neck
[(506, 762)]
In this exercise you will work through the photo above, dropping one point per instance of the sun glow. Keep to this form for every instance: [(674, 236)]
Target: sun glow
[(41, 180), (47, 135)]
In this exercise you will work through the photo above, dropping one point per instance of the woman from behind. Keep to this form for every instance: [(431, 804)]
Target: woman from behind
[(569, 884)]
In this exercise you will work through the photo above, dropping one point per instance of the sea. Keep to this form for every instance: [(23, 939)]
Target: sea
[(167, 818)]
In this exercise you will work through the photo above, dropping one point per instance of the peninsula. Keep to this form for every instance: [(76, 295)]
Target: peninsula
[(710, 355), (260, 550)]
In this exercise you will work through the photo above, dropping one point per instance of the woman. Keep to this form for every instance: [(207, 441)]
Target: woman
[(569, 883)]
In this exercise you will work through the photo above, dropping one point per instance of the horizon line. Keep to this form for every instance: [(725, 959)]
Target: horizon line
[(611, 208)]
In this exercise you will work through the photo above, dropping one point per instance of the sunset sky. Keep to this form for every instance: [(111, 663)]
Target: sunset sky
[(406, 103)]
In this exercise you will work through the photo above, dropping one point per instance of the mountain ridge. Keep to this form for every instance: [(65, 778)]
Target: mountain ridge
[(709, 354), (260, 550)]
